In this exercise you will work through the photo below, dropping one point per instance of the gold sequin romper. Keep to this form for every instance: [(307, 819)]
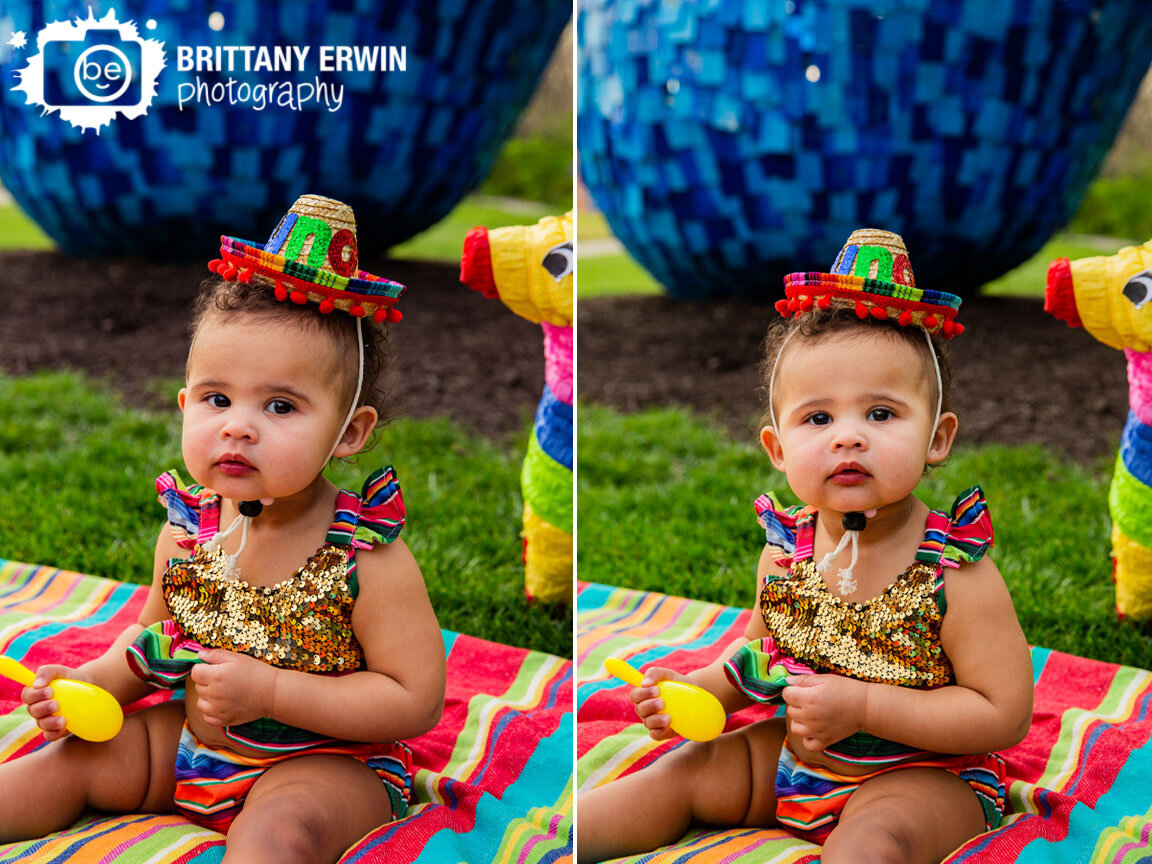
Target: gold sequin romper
[(303, 623), (892, 639)]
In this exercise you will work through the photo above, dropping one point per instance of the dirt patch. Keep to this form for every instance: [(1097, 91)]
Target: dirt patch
[(1021, 375), (122, 319)]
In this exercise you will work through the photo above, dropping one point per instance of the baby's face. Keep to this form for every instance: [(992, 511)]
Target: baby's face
[(261, 406), (855, 414)]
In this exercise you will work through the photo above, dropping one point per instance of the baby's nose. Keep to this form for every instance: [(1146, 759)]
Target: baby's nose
[(849, 435), (238, 425)]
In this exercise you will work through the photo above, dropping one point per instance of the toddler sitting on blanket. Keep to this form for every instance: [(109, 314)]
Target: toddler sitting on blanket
[(295, 618), (882, 625)]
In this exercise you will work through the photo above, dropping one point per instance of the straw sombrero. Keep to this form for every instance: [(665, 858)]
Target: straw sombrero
[(312, 255), (873, 276)]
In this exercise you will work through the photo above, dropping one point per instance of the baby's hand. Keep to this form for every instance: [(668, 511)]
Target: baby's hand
[(41, 704), (649, 705), (824, 709), (232, 688)]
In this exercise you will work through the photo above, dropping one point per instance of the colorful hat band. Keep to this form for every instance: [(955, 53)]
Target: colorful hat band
[(291, 280), (873, 277)]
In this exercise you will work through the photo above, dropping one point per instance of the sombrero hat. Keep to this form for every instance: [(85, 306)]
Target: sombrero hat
[(873, 276), (312, 256)]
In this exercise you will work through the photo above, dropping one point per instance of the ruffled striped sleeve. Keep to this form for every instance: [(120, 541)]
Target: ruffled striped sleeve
[(964, 535), (759, 669), (779, 524), (193, 511), (374, 516)]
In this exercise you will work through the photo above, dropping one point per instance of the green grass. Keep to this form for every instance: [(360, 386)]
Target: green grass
[(613, 276), (665, 499), (17, 231), (77, 467), (1030, 278), (1117, 207), (444, 241), (537, 168), (591, 225)]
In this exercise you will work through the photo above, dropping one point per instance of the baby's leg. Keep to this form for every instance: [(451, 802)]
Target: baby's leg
[(910, 816), (729, 781), (309, 809), (50, 789)]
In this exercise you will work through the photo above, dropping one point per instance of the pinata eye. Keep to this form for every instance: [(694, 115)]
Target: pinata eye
[(558, 260), (1139, 288)]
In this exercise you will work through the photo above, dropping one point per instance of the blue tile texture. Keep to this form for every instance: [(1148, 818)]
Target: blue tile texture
[(729, 142), (403, 149)]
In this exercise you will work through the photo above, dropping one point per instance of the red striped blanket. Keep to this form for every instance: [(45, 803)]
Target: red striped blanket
[(1081, 782), (493, 780)]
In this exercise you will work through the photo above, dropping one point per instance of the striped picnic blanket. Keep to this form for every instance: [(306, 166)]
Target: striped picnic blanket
[(1081, 782), (493, 779)]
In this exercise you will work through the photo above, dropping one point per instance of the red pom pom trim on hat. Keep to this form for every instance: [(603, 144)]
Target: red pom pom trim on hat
[(825, 301), (280, 291), (861, 310), (931, 321), (298, 298), (357, 311), (879, 312), (326, 306), (395, 314)]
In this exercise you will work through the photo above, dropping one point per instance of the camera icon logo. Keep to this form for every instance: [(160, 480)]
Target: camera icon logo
[(102, 69), (92, 70)]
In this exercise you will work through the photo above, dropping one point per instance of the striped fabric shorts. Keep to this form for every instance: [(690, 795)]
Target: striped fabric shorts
[(211, 784), (809, 799)]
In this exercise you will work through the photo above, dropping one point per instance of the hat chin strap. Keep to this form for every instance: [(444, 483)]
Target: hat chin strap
[(249, 510), (854, 521)]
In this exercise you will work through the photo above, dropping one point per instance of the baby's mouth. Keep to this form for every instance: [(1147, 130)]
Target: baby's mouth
[(849, 475), (234, 466)]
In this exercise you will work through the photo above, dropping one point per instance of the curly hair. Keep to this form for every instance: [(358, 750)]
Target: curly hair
[(220, 297), (818, 324)]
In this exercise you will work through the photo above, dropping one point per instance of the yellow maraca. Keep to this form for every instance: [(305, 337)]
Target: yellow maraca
[(693, 712), (91, 712)]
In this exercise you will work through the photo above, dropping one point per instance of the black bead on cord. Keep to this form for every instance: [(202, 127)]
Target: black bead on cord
[(852, 521), (252, 509)]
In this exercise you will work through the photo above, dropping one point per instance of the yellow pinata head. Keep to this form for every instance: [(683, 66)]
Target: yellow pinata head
[(1110, 296)]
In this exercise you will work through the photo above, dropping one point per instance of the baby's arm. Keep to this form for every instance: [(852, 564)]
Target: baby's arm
[(110, 670), (988, 708), (400, 693), (649, 705)]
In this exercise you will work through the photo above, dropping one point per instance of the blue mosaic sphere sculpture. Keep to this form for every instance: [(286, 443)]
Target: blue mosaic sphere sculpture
[(730, 142), (402, 150)]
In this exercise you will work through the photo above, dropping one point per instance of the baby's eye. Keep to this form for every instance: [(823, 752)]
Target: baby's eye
[(819, 418), (879, 415), (281, 406), (217, 400)]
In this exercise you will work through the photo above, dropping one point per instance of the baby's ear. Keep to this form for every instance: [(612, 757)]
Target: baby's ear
[(181, 398), (942, 438), (356, 435), (770, 441)]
